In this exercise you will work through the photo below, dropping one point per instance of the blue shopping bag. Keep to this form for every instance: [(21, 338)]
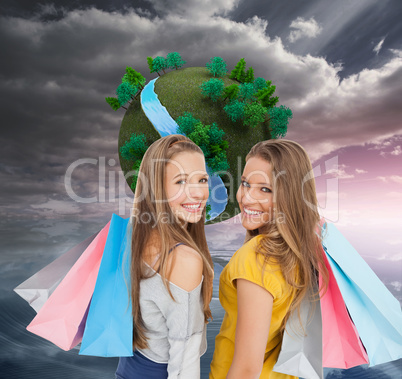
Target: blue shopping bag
[(375, 312), (109, 326)]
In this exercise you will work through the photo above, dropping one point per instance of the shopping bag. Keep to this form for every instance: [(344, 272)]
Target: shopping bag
[(342, 347), (61, 320), (109, 326), (374, 311), (301, 350), (37, 289)]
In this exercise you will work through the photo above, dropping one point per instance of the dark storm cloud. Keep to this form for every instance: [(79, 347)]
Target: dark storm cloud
[(54, 9), (194, 8), (57, 73), (53, 111), (350, 28)]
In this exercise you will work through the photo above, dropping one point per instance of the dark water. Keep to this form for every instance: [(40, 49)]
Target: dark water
[(25, 356)]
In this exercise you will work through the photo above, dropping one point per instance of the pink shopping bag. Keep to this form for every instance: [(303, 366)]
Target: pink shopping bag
[(342, 347), (37, 289), (61, 320)]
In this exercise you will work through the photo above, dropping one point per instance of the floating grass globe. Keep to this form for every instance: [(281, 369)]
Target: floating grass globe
[(179, 92)]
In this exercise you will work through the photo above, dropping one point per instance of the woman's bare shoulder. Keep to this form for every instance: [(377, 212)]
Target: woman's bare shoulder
[(187, 268)]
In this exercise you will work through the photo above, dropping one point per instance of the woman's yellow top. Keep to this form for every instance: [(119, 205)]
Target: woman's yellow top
[(247, 264)]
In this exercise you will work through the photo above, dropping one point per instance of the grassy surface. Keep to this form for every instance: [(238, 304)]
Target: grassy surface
[(135, 121), (179, 92)]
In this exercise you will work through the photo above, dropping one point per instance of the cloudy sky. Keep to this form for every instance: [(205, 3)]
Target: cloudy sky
[(336, 64)]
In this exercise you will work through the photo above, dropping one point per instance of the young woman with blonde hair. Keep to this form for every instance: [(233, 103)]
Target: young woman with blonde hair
[(171, 267), (267, 278)]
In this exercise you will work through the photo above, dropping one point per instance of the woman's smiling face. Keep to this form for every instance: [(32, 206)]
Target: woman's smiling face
[(255, 194), (186, 184)]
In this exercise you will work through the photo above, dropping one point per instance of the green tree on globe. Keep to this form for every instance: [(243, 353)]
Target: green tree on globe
[(224, 130)]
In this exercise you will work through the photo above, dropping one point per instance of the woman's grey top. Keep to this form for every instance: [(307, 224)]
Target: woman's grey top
[(176, 331)]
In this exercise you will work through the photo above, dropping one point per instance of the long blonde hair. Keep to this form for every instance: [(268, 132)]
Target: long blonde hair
[(150, 199), (290, 238)]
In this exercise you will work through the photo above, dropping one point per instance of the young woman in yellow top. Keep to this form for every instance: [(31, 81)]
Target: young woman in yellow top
[(269, 275)]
